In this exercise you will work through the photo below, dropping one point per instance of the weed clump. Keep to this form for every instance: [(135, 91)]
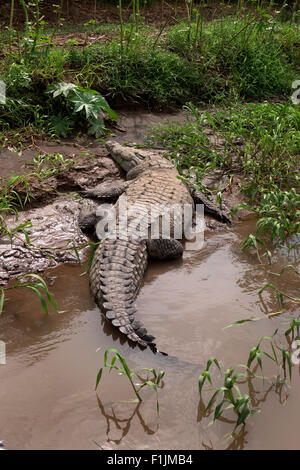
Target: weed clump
[(267, 158), (252, 57), (144, 75), (244, 56)]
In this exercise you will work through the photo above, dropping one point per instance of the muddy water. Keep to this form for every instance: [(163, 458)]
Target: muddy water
[(47, 397)]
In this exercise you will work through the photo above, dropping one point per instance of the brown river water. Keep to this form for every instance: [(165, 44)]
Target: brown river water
[(47, 397), (47, 386)]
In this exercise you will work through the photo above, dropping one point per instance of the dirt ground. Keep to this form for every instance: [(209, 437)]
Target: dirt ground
[(76, 12)]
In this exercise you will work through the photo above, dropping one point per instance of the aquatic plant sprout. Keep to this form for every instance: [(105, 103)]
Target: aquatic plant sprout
[(153, 383)]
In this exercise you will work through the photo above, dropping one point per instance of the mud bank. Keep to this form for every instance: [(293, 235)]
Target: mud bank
[(53, 233), (53, 217), (54, 205), (47, 397), (56, 201)]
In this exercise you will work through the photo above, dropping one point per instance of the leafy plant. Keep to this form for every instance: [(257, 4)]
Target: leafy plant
[(60, 125), (279, 294), (37, 285), (229, 395), (266, 157), (79, 102), (10, 203), (124, 369), (279, 213)]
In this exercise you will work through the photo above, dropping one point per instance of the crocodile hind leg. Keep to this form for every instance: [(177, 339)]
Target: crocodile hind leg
[(210, 208), (89, 217), (164, 248)]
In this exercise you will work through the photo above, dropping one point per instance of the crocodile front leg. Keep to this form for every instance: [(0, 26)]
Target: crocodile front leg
[(108, 191), (87, 217)]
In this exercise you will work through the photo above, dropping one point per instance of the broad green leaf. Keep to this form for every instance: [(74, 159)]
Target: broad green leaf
[(97, 126), (112, 114), (61, 88), (87, 103)]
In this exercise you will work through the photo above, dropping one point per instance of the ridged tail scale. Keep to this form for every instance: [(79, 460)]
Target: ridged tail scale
[(116, 275)]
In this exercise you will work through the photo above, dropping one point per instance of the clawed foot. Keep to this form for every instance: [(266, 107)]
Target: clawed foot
[(210, 208)]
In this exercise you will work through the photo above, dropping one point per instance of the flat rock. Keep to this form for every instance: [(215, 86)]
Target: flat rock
[(53, 233)]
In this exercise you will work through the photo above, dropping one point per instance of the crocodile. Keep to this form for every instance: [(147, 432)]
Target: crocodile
[(119, 263)]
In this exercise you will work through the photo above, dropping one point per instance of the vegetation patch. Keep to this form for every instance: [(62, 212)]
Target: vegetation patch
[(144, 75), (249, 55), (260, 144), (242, 67)]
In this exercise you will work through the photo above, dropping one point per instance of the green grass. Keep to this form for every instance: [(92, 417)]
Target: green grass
[(153, 382), (35, 283), (15, 193), (144, 75), (245, 57), (240, 57), (260, 141), (252, 57)]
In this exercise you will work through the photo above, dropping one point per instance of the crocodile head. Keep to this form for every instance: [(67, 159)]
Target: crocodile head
[(137, 160), (126, 157)]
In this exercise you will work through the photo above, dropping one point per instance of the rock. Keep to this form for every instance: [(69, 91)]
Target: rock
[(54, 229), (55, 226)]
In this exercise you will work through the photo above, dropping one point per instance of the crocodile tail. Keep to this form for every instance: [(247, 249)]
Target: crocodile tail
[(116, 275)]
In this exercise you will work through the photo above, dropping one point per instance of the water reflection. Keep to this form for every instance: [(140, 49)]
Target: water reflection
[(122, 424), (186, 305)]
